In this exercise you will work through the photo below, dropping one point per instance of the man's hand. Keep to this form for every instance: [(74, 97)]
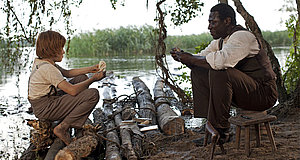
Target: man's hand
[(175, 53), (179, 55)]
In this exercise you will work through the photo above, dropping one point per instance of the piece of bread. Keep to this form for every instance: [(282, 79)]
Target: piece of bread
[(102, 66)]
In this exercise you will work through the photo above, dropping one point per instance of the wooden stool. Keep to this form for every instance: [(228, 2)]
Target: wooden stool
[(210, 130), (246, 119)]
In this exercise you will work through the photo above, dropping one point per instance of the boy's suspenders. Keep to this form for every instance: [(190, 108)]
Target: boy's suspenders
[(33, 71)]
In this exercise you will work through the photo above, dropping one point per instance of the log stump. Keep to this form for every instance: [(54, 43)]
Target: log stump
[(169, 122)]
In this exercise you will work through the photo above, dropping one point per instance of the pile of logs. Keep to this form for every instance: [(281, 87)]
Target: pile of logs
[(120, 126)]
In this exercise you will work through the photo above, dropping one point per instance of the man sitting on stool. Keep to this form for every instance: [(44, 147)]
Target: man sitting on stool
[(233, 69)]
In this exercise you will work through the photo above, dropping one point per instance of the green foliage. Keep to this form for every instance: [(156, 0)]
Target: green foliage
[(187, 42), (183, 11), (123, 40), (184, 78), (292, 74), (278, 38), (202, 46), (129, 40)]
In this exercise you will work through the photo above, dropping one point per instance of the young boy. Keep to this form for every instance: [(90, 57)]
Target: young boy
[(51, 96)]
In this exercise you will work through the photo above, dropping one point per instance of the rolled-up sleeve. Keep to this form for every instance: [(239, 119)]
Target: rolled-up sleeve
[(239, 45)]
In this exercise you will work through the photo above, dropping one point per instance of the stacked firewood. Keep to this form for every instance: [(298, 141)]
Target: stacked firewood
[(42, 135), (121, 127)]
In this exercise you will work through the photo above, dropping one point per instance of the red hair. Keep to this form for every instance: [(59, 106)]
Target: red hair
[(49, 44)]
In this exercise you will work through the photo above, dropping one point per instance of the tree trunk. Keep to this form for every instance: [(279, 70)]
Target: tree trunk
[(128, 112), (133, 129), (296, 94), (172, 99), (137, 144), (145, 101), (112, 146), (169, 122), (99, 117), (125, 136), (78, 149), (257, 32), (42, 135)]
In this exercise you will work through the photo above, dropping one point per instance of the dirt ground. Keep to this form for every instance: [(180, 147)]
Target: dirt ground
[(286, 133)]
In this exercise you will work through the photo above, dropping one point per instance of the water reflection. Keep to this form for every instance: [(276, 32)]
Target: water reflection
[(119, 63), (281, 53)]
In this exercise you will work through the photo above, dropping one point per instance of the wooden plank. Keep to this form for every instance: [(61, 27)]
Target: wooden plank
[(99, 117), (247, 140), (247, 120), (270, 135)]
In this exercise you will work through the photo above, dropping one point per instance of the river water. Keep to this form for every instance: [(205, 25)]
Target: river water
[(14, 132)]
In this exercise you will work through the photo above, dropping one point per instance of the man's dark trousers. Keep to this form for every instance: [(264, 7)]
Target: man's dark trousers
[(215, 91)]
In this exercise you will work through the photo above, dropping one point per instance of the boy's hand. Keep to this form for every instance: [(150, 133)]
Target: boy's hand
[(99, 75), (94, 68), (101, 66)]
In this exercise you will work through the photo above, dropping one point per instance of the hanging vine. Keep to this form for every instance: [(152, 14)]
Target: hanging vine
[(160, 56), (24, 20), (184, 11)]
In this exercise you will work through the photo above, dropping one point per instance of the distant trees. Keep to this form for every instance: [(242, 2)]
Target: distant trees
[(187, 42), (134, 39), (108, 41), (278, 38)]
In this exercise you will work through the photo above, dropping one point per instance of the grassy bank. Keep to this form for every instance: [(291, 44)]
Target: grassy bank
[(143, 39)]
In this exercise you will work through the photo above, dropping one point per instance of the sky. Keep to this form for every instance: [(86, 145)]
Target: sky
[(98, 14)]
